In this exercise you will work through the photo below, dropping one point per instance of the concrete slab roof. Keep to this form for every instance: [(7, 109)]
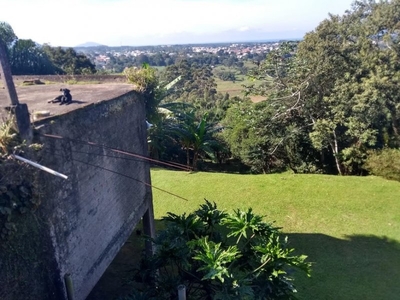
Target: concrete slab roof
[(37, 96)]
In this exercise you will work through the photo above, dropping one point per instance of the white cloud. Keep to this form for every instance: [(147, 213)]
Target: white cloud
[(244, 28)]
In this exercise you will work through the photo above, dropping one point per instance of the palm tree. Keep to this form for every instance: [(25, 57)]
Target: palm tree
[(176, 122), (196, 137)]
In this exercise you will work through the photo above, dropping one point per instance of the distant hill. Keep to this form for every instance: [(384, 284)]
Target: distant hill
[(89, 44)]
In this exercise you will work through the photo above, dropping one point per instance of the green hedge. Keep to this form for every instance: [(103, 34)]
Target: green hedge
[(384, 163)]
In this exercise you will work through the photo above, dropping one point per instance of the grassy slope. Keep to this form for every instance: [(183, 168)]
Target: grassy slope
[(349, 226)]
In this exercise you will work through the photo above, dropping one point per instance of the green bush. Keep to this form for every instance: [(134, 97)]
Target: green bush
[(217, 255), (146, 81), (145, 78), (384, 163), (8, 136), (226, 76)]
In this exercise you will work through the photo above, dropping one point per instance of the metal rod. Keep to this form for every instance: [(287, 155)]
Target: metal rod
[(36, 165), (181, 292), (69, 286)]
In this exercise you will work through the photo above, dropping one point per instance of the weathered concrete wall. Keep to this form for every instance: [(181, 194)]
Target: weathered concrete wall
[(28, 270), (19, 79), (89, 216), (93, 212)]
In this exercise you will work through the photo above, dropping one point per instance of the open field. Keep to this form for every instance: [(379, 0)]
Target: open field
[(234, 88), (348, 226)]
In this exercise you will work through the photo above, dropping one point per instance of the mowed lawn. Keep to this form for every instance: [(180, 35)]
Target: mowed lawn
[(348, 226)]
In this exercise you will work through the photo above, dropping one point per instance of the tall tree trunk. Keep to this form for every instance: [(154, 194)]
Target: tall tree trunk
[(335, 149)]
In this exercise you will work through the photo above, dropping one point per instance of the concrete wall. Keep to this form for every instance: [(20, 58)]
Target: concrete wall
[(19, 79), (88, 217)]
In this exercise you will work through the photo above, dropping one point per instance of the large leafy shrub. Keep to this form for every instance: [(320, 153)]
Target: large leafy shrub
[(384, 163), (217, 255)]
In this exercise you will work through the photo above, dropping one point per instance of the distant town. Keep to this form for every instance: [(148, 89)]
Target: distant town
[(116, 58)]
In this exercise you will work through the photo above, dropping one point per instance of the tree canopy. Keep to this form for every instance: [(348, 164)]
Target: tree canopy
[(335, 92), (29, 58), (68, 61), (7, 35)]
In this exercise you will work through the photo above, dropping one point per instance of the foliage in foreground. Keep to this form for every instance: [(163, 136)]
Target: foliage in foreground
[(217, 255)]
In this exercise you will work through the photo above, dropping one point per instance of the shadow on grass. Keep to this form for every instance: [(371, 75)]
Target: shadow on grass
[(358, 267)]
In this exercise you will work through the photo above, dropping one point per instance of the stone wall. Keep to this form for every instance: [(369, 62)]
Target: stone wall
[(19, 79), (88, 217)]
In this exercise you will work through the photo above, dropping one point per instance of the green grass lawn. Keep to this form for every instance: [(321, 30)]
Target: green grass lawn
[(348, 226)]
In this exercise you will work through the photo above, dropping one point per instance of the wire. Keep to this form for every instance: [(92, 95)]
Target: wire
[(130, 177), (124, 175), (170, 164), (98, 154)]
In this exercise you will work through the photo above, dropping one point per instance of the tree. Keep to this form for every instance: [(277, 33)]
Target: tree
[(219, 255), (7, 35), (196, 82), (226, 75), (177, 127), (27, 58), (161, 136), (142, 59), (354, 81), (272, 135), (67, 61), (196, 138), (337, 89)]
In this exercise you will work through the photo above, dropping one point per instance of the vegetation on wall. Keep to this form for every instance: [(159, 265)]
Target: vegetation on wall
[(17, 194)]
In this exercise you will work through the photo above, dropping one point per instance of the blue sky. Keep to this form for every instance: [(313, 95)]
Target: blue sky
[(153, 22)]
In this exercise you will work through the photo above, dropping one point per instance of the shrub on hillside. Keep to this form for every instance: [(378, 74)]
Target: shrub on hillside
[(217, 255), (384, 163), (226, 76)]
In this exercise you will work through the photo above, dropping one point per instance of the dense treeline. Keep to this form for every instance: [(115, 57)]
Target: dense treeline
[(117, 64), (28, 58)]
